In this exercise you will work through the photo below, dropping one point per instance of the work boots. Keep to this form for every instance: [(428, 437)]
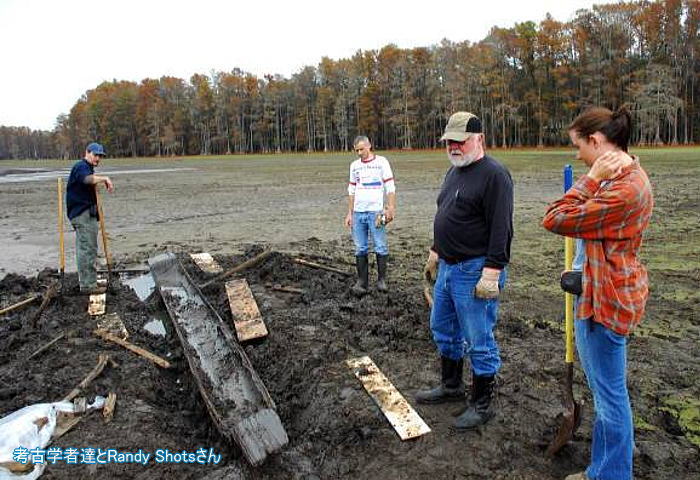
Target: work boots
[(381, 273), (478, 412), (360, 287), (451, 389)]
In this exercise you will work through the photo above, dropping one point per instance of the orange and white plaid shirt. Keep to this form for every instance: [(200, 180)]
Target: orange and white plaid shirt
[(611, 217)]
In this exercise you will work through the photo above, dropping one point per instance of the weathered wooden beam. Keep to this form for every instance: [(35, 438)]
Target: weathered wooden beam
[(246, 315), (206, 262), (407, 423), (97, 304), (236, 398)]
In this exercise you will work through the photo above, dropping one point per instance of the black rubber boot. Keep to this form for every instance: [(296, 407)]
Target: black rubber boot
[(381, 273), (360, 287), (479, 410), (451, 389)]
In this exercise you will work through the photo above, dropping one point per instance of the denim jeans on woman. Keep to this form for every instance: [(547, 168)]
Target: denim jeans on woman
[(463, 324), (603, 356), (363, 225)]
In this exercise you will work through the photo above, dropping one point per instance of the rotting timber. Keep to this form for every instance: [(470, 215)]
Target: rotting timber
[(234, 394)]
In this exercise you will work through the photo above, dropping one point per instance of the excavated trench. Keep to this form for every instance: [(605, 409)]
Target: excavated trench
[(335, 430)]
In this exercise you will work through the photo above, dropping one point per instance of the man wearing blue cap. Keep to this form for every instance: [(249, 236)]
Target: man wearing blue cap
[(81, 203)]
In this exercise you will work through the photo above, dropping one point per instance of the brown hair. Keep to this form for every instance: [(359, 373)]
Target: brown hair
[(615, 126)]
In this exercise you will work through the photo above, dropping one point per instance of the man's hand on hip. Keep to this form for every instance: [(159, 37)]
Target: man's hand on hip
[(487, 287)]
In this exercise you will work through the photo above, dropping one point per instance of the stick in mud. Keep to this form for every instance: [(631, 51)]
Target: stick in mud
[(110, 405), (282, 288), (21, 304), (306, 263), (46, 347), (50, 292), (102, 361), (134, 348), (239, 268)]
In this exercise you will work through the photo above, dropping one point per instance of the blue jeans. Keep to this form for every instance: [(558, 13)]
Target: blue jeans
[(364, 224), (461, 323), (603, 356)]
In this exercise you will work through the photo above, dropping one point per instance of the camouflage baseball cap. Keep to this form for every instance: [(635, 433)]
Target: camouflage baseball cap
[(461, 126)]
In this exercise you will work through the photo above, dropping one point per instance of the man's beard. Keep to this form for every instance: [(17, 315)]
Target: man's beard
[(459, 159)]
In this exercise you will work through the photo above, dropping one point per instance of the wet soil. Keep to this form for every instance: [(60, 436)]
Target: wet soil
[(335, 429)]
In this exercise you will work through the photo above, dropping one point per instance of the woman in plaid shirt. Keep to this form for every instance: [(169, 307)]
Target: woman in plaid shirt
[(609, 208)]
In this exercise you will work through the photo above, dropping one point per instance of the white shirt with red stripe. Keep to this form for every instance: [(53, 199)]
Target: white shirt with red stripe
[(368, 181)]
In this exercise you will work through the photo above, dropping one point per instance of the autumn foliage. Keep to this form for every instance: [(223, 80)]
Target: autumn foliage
[(526, 82)]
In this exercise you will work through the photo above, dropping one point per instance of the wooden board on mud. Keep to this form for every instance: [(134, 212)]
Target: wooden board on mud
[(235, 396), (97, 304), (206, 262), (405, 420), (244, 310)]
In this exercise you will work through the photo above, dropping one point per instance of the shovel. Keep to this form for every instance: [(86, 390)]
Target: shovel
[(61, 246), (108, 259), (571, 416)]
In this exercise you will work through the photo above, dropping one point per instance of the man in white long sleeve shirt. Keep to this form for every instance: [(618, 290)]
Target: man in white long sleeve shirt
[(370, 179)]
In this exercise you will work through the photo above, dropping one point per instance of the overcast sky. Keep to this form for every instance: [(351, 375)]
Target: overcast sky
[(53, 51)]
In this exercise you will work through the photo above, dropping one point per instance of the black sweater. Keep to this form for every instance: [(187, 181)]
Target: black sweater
[(475, 214)]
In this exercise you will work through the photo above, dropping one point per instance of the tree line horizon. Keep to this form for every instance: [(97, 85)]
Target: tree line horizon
[(526, 82)]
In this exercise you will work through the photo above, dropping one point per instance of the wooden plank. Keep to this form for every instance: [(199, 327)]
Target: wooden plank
[(206, 262), (97, 304), (246, 314), (113, 324), (407, 423)]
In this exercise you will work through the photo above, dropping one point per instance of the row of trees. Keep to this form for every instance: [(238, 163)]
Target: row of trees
[(526, 82)]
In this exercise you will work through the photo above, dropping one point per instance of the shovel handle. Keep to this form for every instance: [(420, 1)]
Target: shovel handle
[(105, 247), (61, 247), (568, 262)]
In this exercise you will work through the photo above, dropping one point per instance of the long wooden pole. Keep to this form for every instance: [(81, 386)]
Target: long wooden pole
[(61, 245), (105, 247), (20, 304), (239, 268)]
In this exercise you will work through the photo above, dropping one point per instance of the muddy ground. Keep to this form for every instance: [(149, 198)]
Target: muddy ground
[(234, 210)]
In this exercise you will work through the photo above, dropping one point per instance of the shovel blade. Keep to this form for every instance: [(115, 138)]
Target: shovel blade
[(571, 415)]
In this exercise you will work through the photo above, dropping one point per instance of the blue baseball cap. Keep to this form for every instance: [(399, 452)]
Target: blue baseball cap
[(96, 149)]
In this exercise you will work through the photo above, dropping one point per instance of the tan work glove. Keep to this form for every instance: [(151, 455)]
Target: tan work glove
[(430, 269), (487, 287)]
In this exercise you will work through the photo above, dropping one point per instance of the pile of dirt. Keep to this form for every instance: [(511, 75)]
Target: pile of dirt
[(335, 429)]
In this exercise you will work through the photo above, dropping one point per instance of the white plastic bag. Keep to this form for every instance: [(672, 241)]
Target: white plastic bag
[(32, 427)]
